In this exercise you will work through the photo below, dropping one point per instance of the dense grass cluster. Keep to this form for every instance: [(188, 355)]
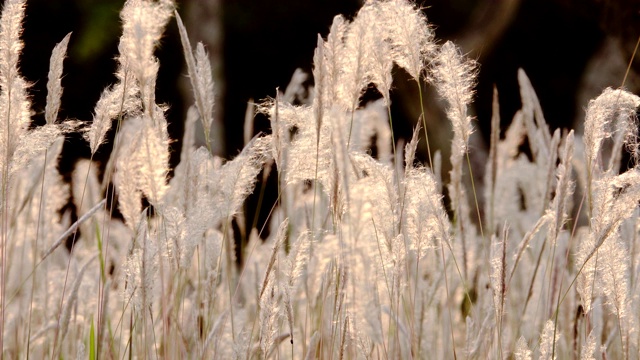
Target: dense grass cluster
[(364, 259)]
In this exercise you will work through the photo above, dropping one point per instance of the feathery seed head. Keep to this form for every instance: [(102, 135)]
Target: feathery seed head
[(154, 158), (14, 102), (355, 65), (333, 54), (142, 25), (54, 87), (320, 78), (121, 99), (612, 111), (425, 218), (522, 350), (548, 340), (455, 77), (205, 85), (233, 182), (10, 43), (409, 33)]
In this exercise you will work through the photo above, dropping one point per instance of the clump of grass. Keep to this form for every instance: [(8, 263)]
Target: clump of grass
[(365, 262)]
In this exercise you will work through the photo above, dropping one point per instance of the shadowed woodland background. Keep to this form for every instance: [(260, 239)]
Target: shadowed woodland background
[(570, 49)]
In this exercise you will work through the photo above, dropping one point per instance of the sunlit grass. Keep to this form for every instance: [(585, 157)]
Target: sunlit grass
[(364, 260)]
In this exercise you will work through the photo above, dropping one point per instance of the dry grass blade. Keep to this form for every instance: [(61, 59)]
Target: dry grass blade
[(73, 228)]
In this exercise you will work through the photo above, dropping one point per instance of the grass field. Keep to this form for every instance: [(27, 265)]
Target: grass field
[(366, 257)]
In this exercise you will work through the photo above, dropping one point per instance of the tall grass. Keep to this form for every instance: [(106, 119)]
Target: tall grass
[(366, 262)]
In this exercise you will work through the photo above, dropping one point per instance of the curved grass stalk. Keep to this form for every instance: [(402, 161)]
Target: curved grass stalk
[(424, 123)]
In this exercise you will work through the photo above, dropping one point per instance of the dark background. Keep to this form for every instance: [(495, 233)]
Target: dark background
[(255, 46), (261, 43)]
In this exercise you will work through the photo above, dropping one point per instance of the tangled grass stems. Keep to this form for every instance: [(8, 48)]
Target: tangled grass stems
[(367, 257)]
